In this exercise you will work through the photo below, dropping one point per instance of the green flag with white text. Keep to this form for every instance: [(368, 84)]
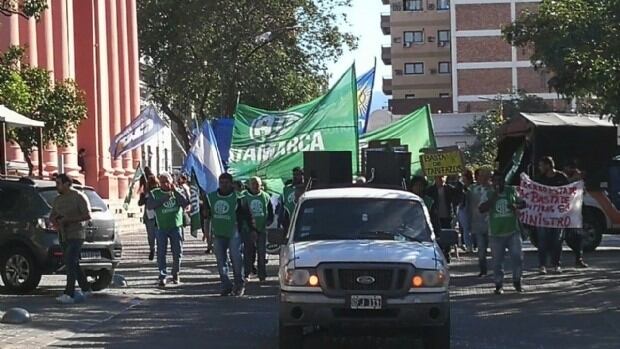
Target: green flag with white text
[(269, 144), (414, 130)]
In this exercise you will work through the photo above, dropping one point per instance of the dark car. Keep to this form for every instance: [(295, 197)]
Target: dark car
[(30, 247)]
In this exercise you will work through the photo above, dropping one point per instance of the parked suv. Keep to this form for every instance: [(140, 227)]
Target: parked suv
[(362, 258), (29, 247)]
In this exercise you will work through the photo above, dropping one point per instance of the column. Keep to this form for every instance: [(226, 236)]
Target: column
[(46, 61), (134, 64), (63, 71), (13, 151), (107, 182), (124, 78), (115, 106)]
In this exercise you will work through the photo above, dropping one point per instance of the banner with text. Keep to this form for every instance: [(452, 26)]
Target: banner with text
[(551, 207), (445, 162)]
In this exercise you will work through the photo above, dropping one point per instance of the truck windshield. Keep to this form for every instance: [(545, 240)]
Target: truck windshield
[(361, 219)]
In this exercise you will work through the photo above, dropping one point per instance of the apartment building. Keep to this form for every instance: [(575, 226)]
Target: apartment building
[(419, 52), (482, 64)]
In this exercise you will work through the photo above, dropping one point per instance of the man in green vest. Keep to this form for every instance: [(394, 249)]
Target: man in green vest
[(168, 201), (226, 214), (287, 200), (258, 203)]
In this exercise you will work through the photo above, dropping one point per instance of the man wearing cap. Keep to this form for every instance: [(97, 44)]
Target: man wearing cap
[(258, 203)]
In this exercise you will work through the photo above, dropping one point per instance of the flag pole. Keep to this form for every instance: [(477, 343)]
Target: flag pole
[(372, 87)]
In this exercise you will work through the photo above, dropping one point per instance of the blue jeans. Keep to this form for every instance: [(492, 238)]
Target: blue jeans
[(549, 243), (482, 240), (151, 232), (465, 225), (72, 251), (223, 247), (499, 244), (176, 246)]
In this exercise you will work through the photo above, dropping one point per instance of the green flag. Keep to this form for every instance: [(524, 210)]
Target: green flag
[(414, 130), (269, 144), (136, 178)]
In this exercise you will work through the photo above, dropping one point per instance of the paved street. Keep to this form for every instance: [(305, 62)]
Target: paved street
[(576, 309)]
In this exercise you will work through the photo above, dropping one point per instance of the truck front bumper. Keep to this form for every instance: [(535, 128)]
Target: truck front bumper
[(315, 309)]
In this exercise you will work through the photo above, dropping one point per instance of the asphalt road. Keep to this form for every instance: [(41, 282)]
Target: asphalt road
[(576, 309)]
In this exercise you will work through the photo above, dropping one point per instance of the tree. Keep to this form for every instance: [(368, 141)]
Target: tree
[(29, 91), (579, 42), (24, 8), (484, 150), (201, 56)]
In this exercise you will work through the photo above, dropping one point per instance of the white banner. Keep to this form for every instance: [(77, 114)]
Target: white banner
[(551, 207)]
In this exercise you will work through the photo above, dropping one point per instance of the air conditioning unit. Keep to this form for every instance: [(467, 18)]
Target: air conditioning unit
[(398, 72), (407, 44), (431, 39), (397, 7), (431, 7), (397, 40), (433, 71)]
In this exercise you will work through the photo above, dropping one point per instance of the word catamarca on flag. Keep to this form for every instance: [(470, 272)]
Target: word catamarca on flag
[(365, 84), (269, 144), (140, 131), (204, 159)]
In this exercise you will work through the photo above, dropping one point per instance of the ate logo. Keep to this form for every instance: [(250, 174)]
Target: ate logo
[(257, 208), (291, 198), (270, 126), (501, 207), (221, 208), (171, 203)]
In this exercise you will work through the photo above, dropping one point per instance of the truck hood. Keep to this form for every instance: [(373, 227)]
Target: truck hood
[(309, 254)]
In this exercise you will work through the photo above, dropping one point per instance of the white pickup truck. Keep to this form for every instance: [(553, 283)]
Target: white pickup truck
[(362, 258)]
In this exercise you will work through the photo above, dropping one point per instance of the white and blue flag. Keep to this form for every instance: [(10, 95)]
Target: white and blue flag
[(140, 131), (365, 84), (204, 159)]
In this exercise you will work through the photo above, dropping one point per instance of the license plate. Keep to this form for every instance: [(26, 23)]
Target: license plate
[(366, 302), (91, 255)]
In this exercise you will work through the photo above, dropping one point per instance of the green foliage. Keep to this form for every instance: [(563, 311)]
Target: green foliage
[(24, 8), (201, 55), (579, 42), (30, 92)]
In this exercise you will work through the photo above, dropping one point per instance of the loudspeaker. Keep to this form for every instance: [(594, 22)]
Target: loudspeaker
[(328, 167), (389, 167)]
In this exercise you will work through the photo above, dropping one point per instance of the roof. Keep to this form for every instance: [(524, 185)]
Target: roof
[(15, 119), (359, 193), (558, 119)]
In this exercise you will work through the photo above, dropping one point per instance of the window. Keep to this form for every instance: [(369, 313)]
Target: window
[(444, 95), (412, 5), (443, 5), (444, 67), (443, 37), (416, 37), (410, 96), (414, 68)]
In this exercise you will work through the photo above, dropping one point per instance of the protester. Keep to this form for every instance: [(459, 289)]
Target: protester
[(418, 187), (444, 200), (148, 217), (289, 209), (182, 182), (467, 179), (225, 214), (504, 231), (82, 160), (479, 221), (168, 202), (69, 210), (550, 239), (287, 200), (576, 235), (258, 203)]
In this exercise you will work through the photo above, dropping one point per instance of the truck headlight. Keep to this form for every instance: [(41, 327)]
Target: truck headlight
[(430, 278), (301, 277)]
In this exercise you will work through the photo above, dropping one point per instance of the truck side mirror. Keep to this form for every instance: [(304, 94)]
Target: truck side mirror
[(277, 236)]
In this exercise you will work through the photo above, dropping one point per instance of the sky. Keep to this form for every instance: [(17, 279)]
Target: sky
[(364, 22)]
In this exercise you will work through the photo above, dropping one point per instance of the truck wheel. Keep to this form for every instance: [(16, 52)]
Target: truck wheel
[(100, 279), (437, 337), (593, 230), (291, 337), (20, 273)]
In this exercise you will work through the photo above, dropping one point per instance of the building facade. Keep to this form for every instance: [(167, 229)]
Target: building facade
[(95, 43), (481, 64), (419, 53)]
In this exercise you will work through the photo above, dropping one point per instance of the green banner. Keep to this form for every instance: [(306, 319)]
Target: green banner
[(414, 130), (269, 144), (139, 172)]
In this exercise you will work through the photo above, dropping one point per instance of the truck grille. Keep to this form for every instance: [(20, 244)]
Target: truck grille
[(348, 279), (344, 278)]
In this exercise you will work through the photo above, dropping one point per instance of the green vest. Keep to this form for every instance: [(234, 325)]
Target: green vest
[(257, 204), (223, 214), (503, 219), (288, 198), (170, 214)]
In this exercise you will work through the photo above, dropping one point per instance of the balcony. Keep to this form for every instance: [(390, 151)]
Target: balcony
[(406, 106), (386, 54), (387, 86), (385, 24)]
